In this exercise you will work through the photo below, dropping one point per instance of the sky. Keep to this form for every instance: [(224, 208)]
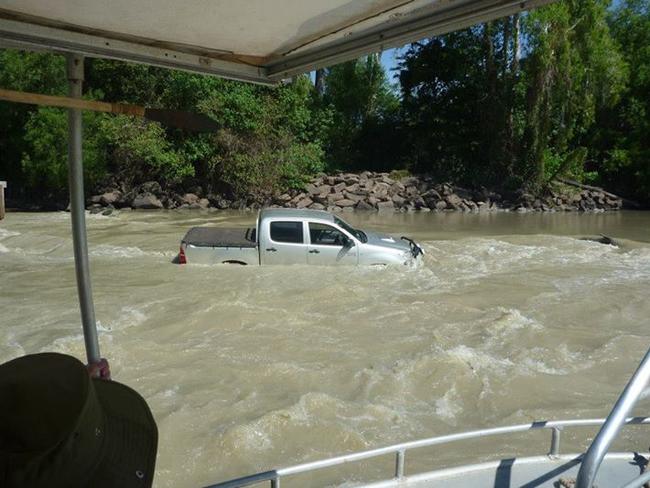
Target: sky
[(389, 62)]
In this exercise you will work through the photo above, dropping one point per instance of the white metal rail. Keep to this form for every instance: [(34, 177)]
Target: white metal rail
[(399, 450), (615, 420)]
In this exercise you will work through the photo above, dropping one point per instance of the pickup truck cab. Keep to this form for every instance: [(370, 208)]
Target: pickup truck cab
[(294, 236)]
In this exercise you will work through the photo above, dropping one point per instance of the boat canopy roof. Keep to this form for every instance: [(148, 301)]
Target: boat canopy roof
[(262, 41)]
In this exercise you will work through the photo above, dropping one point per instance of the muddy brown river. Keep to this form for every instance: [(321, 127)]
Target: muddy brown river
[(511, 319)]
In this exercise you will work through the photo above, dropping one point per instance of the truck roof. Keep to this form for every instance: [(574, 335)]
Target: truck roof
[(295, 213)]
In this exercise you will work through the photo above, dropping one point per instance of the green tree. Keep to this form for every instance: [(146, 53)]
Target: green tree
[(620, 139), (572, 68), (513, 102), (270, 139), (44, 159), (34, 72), (264, 130), (364, 109), (457, 102)]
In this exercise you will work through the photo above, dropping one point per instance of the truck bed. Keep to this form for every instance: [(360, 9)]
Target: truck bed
[(220, 237)]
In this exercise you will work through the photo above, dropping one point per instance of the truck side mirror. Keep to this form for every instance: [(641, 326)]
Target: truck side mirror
[(347, 242)]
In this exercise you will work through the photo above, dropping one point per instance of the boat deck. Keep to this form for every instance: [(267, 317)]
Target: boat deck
[(617, 470)]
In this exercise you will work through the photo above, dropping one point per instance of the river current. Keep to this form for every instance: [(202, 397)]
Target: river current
[(512, 318)]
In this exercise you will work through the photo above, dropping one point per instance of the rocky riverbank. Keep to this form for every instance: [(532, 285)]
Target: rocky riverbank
[(372, 192)]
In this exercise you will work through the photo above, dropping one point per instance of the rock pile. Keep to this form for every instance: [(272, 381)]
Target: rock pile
[(368, 191), (378, 191), (151, 196)]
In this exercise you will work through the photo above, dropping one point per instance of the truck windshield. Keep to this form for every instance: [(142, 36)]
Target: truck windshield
[(359, 234)]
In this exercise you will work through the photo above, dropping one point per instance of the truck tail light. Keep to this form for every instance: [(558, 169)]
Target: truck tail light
[(181, 256)]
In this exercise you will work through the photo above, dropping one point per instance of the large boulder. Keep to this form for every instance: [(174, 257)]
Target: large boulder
[(284, 198), (312, 189), (431, 197), (441, 205), (352, 187), (367, 185), (110, 198), (126, 200), (352, 196), (334, 197), (419, 203), (321, 199), (389, 205), (146, 201), (412, 191), (294, 201), (363, 205), (381, 189), (398, 200), (324, 189), (350, 178), (304, 202), (189, 199), (346, 203), (453, 200)]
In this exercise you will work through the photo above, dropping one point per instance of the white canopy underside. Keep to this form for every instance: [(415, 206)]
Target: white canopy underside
[(252, 40)]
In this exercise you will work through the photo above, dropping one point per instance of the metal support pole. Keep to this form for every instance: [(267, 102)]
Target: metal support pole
[(3, 185), (399, 463), (75, 71), (555, 442)]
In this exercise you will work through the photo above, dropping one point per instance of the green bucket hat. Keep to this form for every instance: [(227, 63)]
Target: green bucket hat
[(59, 427)]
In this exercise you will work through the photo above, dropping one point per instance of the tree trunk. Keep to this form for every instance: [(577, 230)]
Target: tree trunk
[(491, 125), (537, 120), (516, 48), (510, 78), (320, 81), (505, 50)]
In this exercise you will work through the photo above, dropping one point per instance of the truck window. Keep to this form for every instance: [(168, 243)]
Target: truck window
[(325, 235), (287, 232)]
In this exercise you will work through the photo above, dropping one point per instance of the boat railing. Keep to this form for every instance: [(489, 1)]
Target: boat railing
[(639, 482), (555, 427), (615, 421)]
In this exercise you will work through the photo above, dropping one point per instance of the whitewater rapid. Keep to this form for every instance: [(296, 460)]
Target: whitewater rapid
[(510, 319)]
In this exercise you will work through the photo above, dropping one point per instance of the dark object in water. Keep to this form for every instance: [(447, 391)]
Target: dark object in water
[(603, 239)]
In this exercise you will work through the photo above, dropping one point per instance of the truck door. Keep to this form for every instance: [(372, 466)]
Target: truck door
[(330, 245), (284, 243)]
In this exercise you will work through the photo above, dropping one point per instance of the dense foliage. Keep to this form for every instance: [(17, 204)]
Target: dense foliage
[(270, 138), (512, 101), (511, 104), (621, 135)]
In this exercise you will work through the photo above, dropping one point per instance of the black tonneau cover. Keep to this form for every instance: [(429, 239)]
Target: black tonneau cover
[(220, 237)]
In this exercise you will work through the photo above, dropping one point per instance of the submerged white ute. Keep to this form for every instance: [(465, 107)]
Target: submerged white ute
[(296, 236)]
